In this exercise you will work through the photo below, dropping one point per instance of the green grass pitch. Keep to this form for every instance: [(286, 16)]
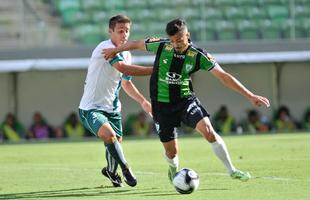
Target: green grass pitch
[(279, 163)]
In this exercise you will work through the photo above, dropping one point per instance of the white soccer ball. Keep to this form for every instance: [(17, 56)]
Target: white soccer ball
[(186, 181)]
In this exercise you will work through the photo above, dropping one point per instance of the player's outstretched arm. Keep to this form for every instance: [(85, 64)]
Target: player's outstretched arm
[(130, 45), (231, 82), (132, 70), (134, 93)]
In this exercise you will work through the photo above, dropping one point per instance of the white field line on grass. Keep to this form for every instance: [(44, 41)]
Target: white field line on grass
[(274, 178), (149, 173)]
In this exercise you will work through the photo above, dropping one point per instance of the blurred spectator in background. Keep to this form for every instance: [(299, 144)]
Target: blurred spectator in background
[(72, 127), (283, 120), (306, 120), (141, 127), (223, 122), (11, 129), (39, 128), (58, 132), (254, 124)]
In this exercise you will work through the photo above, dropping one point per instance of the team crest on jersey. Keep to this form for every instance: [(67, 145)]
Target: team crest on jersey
[(188, 67), (191, 53), (168, 47)]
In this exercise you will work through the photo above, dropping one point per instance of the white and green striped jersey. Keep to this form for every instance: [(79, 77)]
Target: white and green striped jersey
[(103, 81)]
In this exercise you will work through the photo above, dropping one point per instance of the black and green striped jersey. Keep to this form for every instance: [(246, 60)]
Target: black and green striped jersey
[(171, 78)]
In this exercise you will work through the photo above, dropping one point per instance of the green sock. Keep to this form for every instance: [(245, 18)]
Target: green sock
[(116, 151)]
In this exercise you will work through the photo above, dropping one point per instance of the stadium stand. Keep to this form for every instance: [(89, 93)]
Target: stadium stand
[(208, 19), (80, 22)]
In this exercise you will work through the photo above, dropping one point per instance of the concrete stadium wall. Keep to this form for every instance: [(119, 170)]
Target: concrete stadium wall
[(212, 93), (295, 87), (57, 93), (5, 94), (54, 93)]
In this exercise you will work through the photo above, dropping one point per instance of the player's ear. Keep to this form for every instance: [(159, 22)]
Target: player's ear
[(110, 31), (188, 34)]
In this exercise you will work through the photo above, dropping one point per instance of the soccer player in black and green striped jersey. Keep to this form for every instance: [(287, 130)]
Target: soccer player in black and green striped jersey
[(172, 95)]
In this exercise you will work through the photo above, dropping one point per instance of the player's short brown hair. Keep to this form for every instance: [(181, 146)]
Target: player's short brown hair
[(118, 19), (175, 26)]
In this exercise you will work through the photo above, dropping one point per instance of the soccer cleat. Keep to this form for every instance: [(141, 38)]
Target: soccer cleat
[(129, 177), (242, 176), (171, 172), (114, 178)]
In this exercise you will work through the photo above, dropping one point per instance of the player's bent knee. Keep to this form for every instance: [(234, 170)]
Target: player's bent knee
[(171, 153), (209, 134), (106, 137)]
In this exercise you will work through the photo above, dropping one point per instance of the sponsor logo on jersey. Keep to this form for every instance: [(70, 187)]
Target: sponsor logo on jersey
[(188, 67), (172, 78), (191, 53), (168, 47), (173, 75), (179, 56)]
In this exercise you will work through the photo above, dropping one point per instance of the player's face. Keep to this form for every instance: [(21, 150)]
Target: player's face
[(120, 34), (179, 41)]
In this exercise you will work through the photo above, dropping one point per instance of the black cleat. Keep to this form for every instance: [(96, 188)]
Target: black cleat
[(129, 177), (114, 178)]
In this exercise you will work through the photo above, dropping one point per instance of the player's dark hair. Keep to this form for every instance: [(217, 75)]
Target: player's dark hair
[(118, 19), (175, 26)]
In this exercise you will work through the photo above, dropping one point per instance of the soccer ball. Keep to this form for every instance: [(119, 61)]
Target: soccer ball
[(186, 181)]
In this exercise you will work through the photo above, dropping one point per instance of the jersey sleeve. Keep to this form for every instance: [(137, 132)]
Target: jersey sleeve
[(207, 61), (152, 44), (118, 57), (126, 77)]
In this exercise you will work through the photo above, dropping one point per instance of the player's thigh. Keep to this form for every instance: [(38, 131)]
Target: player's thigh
[(115, 121)]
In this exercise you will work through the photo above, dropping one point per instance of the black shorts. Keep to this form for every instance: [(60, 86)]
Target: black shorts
[(169, 116)]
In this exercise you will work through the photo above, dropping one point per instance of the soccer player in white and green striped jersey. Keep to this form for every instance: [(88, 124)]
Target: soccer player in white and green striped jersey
[(100, 107), (172, 95)]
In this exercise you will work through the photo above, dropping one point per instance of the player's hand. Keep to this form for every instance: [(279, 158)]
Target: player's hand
[(109, 53), (259, 101), (147, 107)]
